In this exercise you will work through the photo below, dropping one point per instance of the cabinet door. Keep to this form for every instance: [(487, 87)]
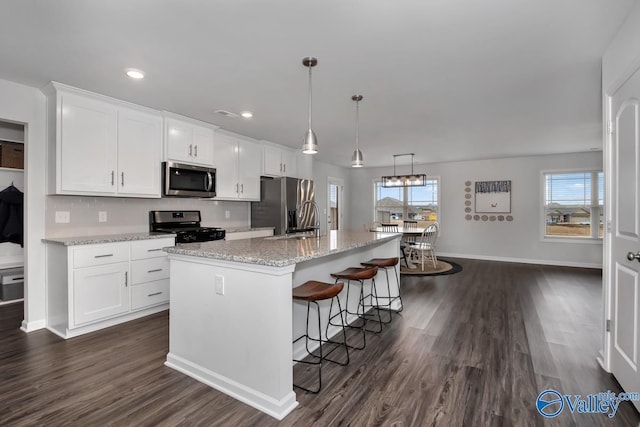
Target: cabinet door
[(272, 161), (100, 292), (289, 163), (139, 143), (179, 139), (87, 141), (226, 164), (249, 167), (202, 146)]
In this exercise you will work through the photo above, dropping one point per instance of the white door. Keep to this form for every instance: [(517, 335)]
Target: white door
[(334, 204), (625, 235), (139, 143), (100, 292)]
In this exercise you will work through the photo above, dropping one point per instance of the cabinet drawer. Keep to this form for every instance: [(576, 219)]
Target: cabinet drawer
[(150, 293), (147, 270), (100, 254), (152, 248)]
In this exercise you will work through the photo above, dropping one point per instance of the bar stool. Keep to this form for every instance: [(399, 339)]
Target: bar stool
[(360, 274), (312, 292), (386, 263)]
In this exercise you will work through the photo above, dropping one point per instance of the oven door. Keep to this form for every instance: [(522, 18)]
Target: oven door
[(184, 180)]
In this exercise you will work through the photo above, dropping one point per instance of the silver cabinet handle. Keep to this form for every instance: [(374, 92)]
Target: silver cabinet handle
[(242, 188), (113, 177), (190, 149), (631, 256), (126, 278), (284, 168), (154, 294), (154, 250), (122, 178), (280, 167), (154, 271), (195, 151), (17, 278), (237, 188), (102, 256)]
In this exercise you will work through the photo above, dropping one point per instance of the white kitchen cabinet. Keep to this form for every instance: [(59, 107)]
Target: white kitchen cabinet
[(279, 161), (139, 136), (93, 286), (238, 164), (188, 141), (101, 146), (100, 292)]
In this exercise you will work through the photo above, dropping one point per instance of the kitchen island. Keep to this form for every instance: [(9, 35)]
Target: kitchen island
[(232, 319)]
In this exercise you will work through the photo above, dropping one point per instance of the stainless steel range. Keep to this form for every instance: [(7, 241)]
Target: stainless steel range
[(186, 226)]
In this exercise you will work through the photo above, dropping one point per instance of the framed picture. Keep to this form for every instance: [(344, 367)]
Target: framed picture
[(493, 196)]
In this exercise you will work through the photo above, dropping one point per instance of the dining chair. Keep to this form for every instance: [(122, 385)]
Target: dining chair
[(425, 246), (389, 227), (407, 239)]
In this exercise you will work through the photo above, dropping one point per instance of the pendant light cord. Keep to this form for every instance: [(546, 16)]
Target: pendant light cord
[(357, 125), (310, 95)]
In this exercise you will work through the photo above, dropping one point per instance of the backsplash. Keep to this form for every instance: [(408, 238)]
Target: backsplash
[(129, 215)]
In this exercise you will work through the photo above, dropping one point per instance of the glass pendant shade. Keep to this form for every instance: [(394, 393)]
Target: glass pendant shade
[(356, 159), (310, 145)]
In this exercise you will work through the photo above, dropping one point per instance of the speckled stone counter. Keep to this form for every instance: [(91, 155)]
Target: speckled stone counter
[(279, 252), (107, 238)]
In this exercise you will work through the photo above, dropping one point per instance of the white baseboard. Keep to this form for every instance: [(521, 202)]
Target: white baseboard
[(33, 326), (522, 260), (278, 409)]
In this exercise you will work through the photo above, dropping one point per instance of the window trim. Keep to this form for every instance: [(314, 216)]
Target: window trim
[(543, 215), (375, 181)]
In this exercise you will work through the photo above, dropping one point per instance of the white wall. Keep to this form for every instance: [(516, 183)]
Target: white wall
[(321, 173), (127, 215), (520, 240), (26, 105)]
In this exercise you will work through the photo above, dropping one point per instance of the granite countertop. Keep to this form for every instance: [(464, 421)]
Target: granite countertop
[(244, 229), (277, 251), (107, 238)]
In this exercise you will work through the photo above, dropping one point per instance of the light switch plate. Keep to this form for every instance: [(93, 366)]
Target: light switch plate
[(102, 216), (219, 284)]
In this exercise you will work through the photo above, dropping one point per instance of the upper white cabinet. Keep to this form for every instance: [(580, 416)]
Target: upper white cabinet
[(238, 164), (101, 146), (188, 140), (279, 161)]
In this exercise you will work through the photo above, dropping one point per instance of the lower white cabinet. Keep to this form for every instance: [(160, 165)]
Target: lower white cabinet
[(93, 286)]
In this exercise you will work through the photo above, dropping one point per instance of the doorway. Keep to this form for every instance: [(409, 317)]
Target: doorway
[(334, 204), (12, 137)]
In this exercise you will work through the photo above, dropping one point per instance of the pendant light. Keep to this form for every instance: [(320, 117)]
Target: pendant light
[(412, 180), (310, 145), (356, 158)]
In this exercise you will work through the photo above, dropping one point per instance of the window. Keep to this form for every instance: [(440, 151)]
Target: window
[(401, 203), (574, 204)]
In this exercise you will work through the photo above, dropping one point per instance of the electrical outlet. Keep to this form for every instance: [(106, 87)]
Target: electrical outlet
[(102, 216), (219, 284), (227, 214), (63, 217)]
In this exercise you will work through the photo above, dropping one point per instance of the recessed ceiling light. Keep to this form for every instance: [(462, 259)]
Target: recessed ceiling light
[(135, 73), (246, 114)]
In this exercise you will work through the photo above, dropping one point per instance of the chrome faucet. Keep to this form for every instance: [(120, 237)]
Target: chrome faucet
[(315, 209)]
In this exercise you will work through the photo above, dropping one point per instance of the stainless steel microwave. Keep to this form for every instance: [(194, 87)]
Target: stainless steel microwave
[(184, 180)]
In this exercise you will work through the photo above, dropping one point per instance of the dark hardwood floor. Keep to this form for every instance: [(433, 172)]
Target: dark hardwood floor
[(472, 349)]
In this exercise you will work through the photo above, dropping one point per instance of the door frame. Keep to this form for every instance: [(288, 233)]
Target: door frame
[(609, 200), (339, 182)]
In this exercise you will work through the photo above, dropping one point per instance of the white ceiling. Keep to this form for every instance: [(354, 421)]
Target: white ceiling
[(446, 79)]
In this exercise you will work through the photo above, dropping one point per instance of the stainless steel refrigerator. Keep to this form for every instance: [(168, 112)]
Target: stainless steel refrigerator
[(281, 199)]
